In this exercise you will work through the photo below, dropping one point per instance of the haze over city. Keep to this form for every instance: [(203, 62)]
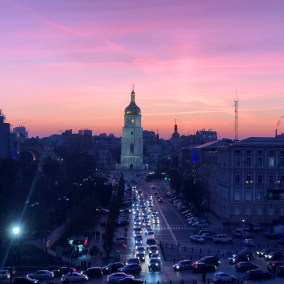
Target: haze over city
[(71, 64)]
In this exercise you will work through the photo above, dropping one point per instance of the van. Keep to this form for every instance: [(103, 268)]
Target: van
[(221, 238), (150, 241), (120, 240)]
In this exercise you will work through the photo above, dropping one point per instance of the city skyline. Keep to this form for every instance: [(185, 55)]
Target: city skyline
[(71, 65)]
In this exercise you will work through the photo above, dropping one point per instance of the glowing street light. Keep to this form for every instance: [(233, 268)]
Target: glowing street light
[(16, 230)]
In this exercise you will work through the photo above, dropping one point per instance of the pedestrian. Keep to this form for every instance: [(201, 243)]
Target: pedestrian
[(204, 277)]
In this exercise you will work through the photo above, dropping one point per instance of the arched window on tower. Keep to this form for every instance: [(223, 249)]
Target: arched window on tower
[(131, 149), (132, 121)]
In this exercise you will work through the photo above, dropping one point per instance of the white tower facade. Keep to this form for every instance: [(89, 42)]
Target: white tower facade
[(132, 138)]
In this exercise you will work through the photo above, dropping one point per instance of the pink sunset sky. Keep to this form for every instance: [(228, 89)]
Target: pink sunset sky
[(71, 64)]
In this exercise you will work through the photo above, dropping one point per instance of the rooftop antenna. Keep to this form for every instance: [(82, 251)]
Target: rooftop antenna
[(133, 88), (236, 101), (157, 131)]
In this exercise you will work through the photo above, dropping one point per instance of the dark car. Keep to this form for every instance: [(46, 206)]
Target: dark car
[(154, 264), (280, 271), (203, 267), (14, 271), (93, 272), (238, 258), (274, 255), (183, 265), (273, 265), (245, 266), (161, 200), (25, 280), (258, 274), (128, 280), (264, 252), (112, 267), (214, 260), (62, 270), (122, 223), (131, 268)]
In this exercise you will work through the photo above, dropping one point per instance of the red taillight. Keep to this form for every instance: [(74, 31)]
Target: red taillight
[(74, 269), (272, 264), (239, 265), (195, 266)]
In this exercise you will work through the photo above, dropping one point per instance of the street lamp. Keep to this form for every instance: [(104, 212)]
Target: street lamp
[(16, 231)]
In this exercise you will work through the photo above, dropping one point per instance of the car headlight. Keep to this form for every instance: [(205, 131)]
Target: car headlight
[(106, 268), (156, 264), (270, 256), (177, 267), (143, 257)]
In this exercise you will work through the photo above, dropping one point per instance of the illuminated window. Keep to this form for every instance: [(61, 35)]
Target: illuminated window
[(132, 121), (271, 161), (131, 149)]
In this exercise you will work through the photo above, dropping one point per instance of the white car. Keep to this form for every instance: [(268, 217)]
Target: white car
[(248, 242), (4, 274), (74, 277), (197, 239), (115, 277), (41, 274), (222, 277)]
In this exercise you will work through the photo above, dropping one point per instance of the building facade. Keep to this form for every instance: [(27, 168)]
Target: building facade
[(245, 179), (132, 138)]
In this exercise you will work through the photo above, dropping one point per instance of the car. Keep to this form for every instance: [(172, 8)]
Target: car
[(148, 229), (161, 200), (248, 242), (246, 235), (222, 277), (25, 280), (255, 227), (131, 268), (155, 255), (152, 186), (4, 274), (128, 280), (207, 236), (93, 272), (140, 249), (203, 267), (122, 223), (257, 274), (245, 266), (153, 249), (140, 255), (14, 271), (183, 265), (264, 252), (197, 239), (41, 274), (238, 258), (155, 220), (210, 260), (112, 267), (115, 277), (62, 270), (158, 196), (273, 265), (154, 264), (133, 260), (74, 277), (138, 240), (274, 256)]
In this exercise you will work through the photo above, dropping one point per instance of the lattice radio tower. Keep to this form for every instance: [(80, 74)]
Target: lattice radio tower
[(236, 117)]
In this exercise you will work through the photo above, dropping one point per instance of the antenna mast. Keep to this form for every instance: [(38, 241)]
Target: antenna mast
[(236, 101)]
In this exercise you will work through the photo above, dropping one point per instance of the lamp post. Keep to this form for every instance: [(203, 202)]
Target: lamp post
[(16, 231)]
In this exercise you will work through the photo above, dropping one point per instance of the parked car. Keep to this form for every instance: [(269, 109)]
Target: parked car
[(74, 277), (93, 272), (255, 227), (274, 256), (248, 242), (207, 236), (257, 274), (25, 280), (128, 280), (197, 239), (245, 266), (115, 277), (183, 265), (221, 277), (14, 271), (41, 274), (131, 268), (112, 267)]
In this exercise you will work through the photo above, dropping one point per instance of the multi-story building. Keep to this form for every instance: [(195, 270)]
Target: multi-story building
[(245, 179)]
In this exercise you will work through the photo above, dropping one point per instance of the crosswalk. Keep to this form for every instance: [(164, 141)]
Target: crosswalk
[(173, 228)]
